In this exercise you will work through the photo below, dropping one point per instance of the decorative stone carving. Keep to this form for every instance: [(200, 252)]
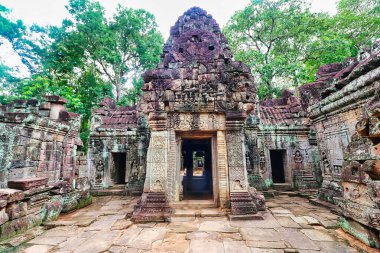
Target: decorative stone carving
[(298, 158)]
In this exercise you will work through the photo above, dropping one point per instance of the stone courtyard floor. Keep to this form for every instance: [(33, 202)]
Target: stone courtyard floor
[(291, 224)]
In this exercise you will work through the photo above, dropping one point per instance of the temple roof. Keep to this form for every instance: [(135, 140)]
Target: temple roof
[(197, 71), (110, 116), (333, 77), (285, 110)]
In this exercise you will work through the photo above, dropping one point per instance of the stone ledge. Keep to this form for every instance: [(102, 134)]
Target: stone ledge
[(256, 216), (28, 183)]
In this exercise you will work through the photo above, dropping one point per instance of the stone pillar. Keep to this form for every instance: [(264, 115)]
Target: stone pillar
[(242, 204), (222, 168), (153, 205)]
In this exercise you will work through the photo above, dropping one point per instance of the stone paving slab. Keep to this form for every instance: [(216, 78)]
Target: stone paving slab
[(235, 246), (212, 246), (38, 249), (289, 225), (99, 242), (146, 237), (218, 226)]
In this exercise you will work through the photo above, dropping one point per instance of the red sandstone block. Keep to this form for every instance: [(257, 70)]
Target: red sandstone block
[(11, 195), (26, 184), (3, 203), (3, 216)]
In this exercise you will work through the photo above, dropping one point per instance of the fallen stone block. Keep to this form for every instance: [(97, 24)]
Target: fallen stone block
[(28, 183)]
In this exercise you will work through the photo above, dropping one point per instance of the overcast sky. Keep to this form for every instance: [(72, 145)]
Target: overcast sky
[(52, 12)]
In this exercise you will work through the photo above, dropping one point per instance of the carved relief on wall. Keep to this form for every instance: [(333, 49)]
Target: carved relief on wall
[(196, 121), (298, 158), (236, 160), (251, 152), (325, 163), (157, 159), (262, 163), (99, 174)]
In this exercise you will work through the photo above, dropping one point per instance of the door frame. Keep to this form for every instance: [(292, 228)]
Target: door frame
[(182, 135)]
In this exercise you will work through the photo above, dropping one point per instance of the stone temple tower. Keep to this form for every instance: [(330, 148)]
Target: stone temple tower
[(196, 102)]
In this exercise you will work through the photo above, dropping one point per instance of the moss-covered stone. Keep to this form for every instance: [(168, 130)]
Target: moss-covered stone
[(83, 202), (51, 210), (361, 232)]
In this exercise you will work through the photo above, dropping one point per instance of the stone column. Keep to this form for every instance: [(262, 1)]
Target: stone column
[(238, 179), (242, 205), (222, 163), (153, 205)]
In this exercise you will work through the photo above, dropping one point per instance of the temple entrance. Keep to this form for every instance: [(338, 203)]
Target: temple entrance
[(277, 164), (118, 168), (196, 169)]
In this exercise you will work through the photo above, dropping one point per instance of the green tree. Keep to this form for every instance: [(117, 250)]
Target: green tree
[(284, 43), (271, 36), (358, 21), (120, 48), (10, 30)]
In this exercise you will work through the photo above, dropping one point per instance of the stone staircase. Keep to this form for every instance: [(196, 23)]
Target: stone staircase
[(191, 209), (282, 187)]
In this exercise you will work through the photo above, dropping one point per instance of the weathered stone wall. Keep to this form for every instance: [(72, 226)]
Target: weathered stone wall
[(117, 130), (335, 115), (360, 178), (281, 124), (38, 177), (36, 142), (301, 161)]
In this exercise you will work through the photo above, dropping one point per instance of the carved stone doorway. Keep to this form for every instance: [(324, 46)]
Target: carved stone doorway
[(197, 169), (118, 168), (277, 158)]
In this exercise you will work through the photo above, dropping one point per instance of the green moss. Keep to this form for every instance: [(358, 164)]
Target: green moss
[(361, 235), (85, 202)]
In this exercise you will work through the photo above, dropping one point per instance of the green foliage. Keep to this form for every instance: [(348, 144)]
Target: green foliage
[(358, 21), (284, 43), (87, 58), (132, 94), (10, 30), (119, 49)]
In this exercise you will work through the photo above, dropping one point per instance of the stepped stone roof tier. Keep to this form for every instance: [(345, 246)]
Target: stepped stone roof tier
[(197, 72), (333, 77)]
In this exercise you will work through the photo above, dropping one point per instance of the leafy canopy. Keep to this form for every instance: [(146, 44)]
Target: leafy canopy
[(284, 43)]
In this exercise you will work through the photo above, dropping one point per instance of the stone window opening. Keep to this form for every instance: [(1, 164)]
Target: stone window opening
[(211, 47), (195, 38), (180, 50)]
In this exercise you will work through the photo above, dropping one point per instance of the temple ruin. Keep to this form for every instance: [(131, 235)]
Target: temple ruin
[(199, 133)]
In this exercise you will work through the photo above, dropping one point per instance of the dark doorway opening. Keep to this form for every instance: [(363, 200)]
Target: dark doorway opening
[(196, 169), (118, 171), (277, 163)]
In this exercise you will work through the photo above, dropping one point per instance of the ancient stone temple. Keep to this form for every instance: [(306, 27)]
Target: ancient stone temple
[(199, 132), (335, 102), (118, 145), (199, 136), (196, 102), (281, 146)]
